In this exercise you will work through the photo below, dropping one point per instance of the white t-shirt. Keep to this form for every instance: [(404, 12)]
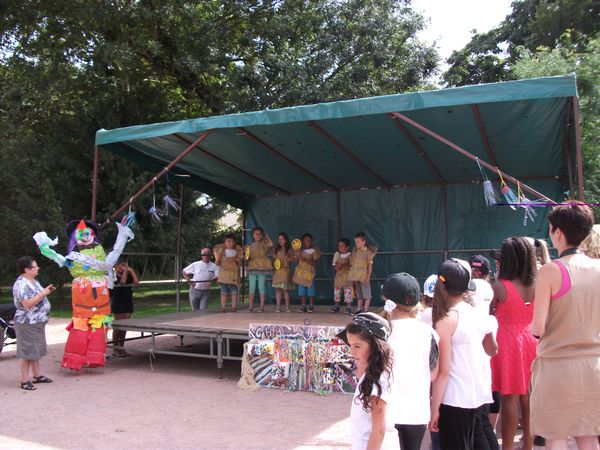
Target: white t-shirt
[(426, 316), (202, 271), (411, 343), (230, 252), (360, 420), (482, 296), (468, 382), (337, 256)]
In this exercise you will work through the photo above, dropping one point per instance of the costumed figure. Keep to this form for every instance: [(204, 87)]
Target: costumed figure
[(92, 275), (228, 260)]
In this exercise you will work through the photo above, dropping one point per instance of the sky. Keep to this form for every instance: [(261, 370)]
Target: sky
[(451, 21)]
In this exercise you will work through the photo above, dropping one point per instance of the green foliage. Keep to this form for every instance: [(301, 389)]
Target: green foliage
[(565, 58), (490, 56), (68, 68)]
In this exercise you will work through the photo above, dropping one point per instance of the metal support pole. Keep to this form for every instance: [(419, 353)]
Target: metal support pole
[(95, 183), (157, 176), (445, 213), (469, 155), (178, 264), (566, 146), (338, 218), (243, 281), (578, 148)]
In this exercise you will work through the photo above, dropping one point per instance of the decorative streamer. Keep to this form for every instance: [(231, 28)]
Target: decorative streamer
[(489, 193), (155, 213), (524, 202), (507, 192)]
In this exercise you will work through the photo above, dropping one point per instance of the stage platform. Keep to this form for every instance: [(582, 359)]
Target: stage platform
[(221, 328)]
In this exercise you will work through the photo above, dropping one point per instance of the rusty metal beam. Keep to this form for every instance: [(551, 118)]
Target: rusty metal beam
[(233, 166), (469, 155), (419, 149), (348, 153), (277, 153), (578, 148), (483, 134), (156, 177)]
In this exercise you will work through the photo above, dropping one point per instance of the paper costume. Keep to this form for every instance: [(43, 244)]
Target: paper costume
[(229, 261), (92, 272)]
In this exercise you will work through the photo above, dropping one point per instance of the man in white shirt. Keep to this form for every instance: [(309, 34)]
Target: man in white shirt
[(203, 272)]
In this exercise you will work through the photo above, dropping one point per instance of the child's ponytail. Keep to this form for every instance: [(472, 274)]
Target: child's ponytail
[(440, 302)]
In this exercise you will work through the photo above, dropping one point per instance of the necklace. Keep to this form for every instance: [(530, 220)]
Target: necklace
[(569, 251)]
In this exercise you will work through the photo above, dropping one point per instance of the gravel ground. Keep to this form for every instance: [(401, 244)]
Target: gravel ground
[(179, 404)]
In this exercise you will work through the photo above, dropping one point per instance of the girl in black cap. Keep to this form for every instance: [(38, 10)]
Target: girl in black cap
[(460, 388), (371, 424)]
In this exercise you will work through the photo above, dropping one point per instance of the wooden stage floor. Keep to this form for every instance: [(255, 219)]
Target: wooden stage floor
[(230, 323)]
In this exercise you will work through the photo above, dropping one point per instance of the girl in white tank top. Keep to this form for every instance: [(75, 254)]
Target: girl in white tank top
[(460, 388)]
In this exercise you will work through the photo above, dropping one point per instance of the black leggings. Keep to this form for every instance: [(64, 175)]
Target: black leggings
[(457, 428), (410, 436)]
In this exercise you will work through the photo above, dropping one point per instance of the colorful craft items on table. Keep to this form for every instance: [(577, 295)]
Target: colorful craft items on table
[(300, 358), (92, 275)]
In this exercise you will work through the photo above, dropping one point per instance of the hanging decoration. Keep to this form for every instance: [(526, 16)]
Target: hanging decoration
[(298, 358), (507, 192), (168, 201), (489, 193), (128, 219), (527, 205), (155, 213)]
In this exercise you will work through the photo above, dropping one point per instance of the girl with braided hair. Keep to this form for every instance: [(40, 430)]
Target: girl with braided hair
[(511, 367)]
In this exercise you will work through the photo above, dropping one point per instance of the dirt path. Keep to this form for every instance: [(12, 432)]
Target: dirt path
[(180, 404)]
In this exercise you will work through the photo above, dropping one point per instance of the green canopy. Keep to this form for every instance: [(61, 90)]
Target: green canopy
[(334, 169)]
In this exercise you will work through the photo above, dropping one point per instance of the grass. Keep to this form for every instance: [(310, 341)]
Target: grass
[(148, 300)]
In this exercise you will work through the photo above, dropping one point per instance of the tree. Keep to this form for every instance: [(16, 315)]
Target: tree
[(68, 68), (490, 56), (565, 58)]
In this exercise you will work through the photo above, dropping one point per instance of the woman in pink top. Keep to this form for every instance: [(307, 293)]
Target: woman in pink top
[(565, 397), (511, 367)]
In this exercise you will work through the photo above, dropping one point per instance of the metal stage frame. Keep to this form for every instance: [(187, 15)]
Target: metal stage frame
[(219, 328)]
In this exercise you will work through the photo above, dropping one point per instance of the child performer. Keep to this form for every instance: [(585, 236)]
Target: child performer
[(361, 269), (461, 386), (259, 265), (228, 257), (341, 285), (371, 422), (415, 359), (306, 270), (282, 277)]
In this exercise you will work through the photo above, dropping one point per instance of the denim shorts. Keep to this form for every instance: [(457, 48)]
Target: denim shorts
[(229, 289), (310, 291)]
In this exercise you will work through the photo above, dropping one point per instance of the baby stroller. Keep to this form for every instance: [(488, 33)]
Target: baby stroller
[(7, 330)]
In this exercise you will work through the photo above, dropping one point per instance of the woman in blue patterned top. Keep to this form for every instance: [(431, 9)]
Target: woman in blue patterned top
[(33, 311)]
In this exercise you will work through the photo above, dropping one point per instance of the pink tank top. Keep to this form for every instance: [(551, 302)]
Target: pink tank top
[(565, 280)]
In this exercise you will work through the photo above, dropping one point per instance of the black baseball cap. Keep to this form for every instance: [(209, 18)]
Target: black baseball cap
[(371, 322), (480, 263), (402, 288), (456, 275)]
